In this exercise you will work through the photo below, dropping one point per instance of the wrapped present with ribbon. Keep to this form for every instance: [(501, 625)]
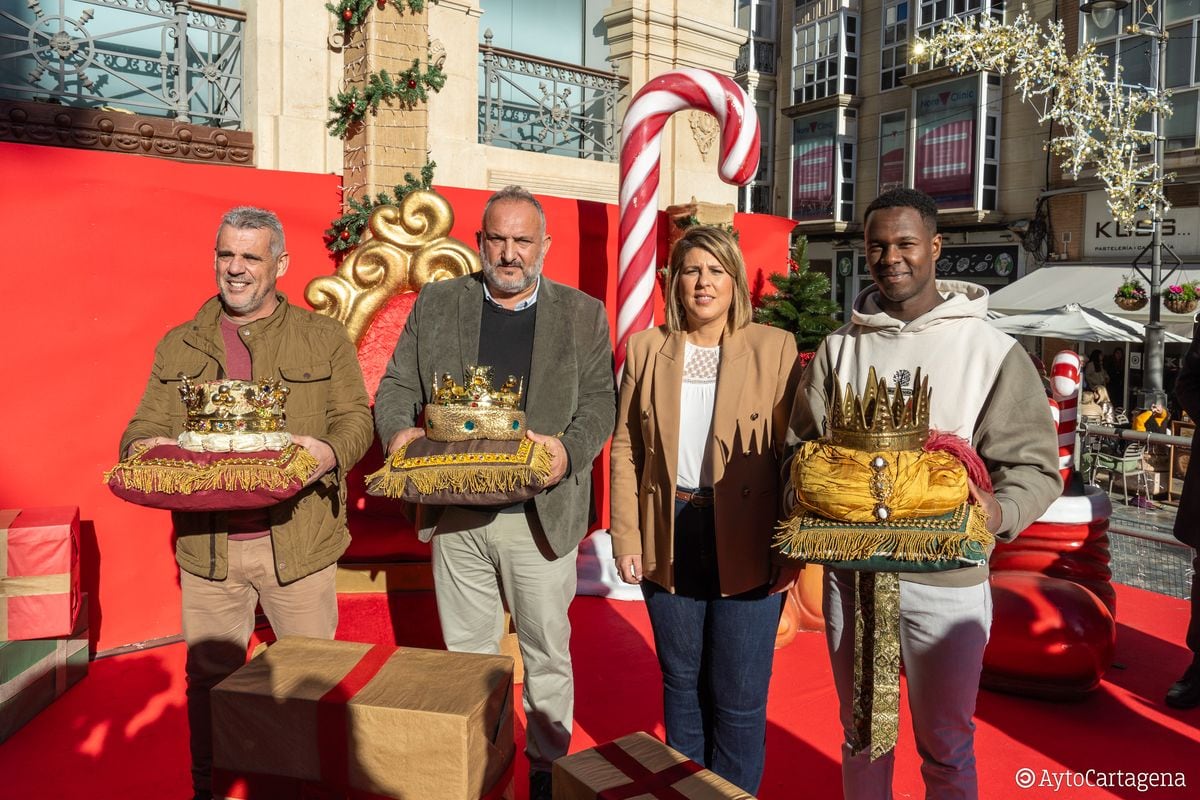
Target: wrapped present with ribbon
[(474, 451), (234, 454), (637, 767), (315, 718), (882, 494), (39, 572), (34, 672)]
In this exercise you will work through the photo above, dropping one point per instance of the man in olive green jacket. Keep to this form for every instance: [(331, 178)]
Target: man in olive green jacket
[(284, 556)]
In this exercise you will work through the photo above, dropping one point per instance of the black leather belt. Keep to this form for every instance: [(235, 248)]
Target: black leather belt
[(701, 498)]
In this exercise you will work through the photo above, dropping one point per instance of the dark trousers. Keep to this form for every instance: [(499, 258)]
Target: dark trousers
[(715, 654)]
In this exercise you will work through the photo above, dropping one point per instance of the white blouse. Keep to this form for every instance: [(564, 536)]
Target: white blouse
[(697, 398)]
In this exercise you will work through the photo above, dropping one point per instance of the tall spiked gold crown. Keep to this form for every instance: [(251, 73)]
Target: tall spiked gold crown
[(881, 418), (475, 409)]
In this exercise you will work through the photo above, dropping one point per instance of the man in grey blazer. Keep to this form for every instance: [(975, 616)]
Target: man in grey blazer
[(556, 338)]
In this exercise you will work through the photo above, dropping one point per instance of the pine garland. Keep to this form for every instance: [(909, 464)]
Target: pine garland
[(800, 303), (407, 89), (352, 13), (346, 231)]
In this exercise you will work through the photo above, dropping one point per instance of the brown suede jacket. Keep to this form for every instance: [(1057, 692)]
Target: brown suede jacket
[(316, 360)]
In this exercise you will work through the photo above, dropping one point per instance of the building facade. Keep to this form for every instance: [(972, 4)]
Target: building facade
[(535, 89)]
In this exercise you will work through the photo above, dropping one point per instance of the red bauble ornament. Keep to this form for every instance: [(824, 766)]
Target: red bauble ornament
[(352, 107), (381, 4), (344, 236), (412, 84), (347, 15)]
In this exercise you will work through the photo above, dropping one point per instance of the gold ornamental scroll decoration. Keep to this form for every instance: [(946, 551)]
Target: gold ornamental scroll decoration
[(409, 246)]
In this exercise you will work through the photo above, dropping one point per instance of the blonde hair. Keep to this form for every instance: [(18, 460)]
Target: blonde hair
[(721, 246)]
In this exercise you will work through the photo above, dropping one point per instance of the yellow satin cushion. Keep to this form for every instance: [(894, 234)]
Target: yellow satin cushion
[(836, 482)]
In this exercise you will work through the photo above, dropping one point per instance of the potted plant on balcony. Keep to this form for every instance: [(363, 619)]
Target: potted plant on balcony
[(1131, 294), (1181, 298)]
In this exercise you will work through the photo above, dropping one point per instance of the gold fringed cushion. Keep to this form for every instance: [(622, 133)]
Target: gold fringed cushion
[(478, 472), (175, 479), (842, 483), (957, 539)]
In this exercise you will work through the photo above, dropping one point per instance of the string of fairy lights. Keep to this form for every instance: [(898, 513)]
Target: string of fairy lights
[(1098, 115)]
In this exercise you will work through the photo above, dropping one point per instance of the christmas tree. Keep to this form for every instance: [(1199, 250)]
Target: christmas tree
[(800, 303)]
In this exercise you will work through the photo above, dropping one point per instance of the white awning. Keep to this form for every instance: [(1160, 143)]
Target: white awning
[(1091, 286)]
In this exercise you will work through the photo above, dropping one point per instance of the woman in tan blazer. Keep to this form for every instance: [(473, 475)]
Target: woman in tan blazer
[(701, 420)]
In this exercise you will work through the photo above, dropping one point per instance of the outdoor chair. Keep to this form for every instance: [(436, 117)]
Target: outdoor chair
[(1127, 464)]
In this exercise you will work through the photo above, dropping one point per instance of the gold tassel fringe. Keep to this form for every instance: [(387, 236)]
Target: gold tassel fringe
[(175, 476), (811, 538), (469, 477)]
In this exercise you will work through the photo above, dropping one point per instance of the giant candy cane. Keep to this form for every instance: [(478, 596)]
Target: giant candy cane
[(640, 151), (1064, 386)]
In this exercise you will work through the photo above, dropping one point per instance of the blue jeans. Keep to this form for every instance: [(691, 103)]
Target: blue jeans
[(715, 654)]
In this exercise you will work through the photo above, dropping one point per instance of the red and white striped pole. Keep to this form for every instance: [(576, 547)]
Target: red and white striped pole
[(641, 150), (1065, 380)]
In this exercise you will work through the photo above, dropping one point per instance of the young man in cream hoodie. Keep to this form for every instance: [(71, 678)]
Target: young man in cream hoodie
[(984, 389)]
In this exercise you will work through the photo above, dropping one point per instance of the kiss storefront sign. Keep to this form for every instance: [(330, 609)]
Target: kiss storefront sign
[(1104, 237)]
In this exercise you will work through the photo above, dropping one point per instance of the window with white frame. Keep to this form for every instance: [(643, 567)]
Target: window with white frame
[(894, 44), (826, 58), (823, 165), (893, 150), (933, 13), (1134, 54), (956, 150)]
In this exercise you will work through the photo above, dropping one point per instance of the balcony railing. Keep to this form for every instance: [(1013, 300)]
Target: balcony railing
[(158, 58), (528, 103), (764, 57)]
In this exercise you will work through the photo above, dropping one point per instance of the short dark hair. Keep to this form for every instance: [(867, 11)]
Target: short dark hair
[(915, 199)]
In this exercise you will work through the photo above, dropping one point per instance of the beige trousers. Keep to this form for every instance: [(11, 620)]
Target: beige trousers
[(484, 560), (218, 618)]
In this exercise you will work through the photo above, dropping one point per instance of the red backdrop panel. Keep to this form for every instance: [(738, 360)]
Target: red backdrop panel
[(108, 252), (117, 250)]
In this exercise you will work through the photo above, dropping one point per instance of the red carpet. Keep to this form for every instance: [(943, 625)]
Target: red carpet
[(121, 733)]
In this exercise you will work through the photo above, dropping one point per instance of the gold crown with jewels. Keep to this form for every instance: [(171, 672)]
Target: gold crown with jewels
[(880, 418), (229, 406), (475, 409)]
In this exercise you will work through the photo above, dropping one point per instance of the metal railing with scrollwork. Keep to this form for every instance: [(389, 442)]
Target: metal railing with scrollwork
[(165, 58), (764, 57), (545, 106)]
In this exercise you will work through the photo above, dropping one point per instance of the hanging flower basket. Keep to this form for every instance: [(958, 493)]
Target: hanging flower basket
[(1130, 303), (1131, 294), (1181, 298)]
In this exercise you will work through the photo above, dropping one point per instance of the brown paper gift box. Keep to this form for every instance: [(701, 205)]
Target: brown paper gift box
[(637, 767), (367, 721)]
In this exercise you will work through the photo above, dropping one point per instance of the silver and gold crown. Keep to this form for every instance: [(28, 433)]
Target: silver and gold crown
[(231, 407), (475, 409), (880, 418)]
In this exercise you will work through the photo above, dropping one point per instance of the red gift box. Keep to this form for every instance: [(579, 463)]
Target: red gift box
[(39, 572)]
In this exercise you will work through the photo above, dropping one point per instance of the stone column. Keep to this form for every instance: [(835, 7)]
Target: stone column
[(395, 140)]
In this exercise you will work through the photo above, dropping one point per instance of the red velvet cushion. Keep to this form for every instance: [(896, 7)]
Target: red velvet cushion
[(174, 479)]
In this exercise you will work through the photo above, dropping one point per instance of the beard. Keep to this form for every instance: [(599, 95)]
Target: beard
[(496, 282)]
